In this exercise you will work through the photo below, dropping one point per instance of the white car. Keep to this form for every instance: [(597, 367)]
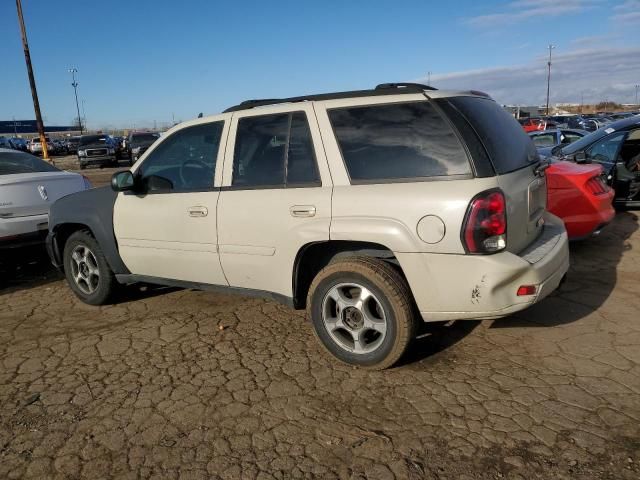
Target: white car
[(28, 186), (374, 210)]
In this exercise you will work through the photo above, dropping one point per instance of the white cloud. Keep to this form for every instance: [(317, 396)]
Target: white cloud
[(627, 13), (599, 74), (519, 10)]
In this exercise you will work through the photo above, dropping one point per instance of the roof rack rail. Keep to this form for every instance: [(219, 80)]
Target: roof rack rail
[(401, 85), (382, 89)]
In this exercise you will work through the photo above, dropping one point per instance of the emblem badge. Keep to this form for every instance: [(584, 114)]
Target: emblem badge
[(43, 192)]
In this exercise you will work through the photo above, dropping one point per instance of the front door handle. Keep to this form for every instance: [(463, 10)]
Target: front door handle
[(302, 211), (198, 211)]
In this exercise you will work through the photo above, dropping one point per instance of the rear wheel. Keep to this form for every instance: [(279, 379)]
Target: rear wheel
[(87, 270), (362, 312)]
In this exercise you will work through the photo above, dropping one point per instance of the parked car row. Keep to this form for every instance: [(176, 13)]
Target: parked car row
[(587, 122)]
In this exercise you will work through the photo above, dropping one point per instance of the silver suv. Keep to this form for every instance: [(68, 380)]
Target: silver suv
[(372, 209)]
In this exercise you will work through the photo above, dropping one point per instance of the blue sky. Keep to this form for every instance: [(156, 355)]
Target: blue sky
[(144, 61)]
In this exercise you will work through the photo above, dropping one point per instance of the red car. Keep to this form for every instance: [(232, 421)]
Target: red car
[(579, 196), (535, 124)]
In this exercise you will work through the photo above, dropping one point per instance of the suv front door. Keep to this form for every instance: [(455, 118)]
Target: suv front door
[(276, 196), (167, 227)]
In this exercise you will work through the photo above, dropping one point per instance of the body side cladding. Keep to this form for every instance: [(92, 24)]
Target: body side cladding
[(131, 278), (90, 209)]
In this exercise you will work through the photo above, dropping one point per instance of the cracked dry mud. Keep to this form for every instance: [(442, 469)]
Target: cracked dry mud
[(153, 388)]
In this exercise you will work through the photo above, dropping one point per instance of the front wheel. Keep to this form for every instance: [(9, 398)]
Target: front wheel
[(87, 270), (362, 312)]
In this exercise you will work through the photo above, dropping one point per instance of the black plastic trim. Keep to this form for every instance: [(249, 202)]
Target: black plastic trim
[(250, 292), (94, 210)]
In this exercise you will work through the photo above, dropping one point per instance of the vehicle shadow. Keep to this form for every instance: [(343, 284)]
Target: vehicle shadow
[(435, 337), (22, 269), (141, 291), (591, 278)]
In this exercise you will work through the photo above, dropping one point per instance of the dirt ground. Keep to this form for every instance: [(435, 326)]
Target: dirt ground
[(182, 384)]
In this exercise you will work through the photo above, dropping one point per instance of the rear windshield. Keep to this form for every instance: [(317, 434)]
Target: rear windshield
[(403, 141), (144, 138), (506, 142), (93, 139), (20, 162)]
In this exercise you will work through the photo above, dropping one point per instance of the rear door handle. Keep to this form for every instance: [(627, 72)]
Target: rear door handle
[(302, 211), (198, 211)]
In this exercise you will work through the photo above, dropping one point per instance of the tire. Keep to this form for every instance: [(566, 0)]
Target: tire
[(82, 166), (384, 324), (94, 283)]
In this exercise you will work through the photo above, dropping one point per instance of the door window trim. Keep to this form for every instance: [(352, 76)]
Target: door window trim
[(279, 186), (220, 156)]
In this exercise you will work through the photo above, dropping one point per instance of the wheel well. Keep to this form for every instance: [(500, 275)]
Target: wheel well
[(313, 257), (64, 231)]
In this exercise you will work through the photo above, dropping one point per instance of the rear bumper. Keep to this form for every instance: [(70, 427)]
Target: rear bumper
[(23, 231), (458, 287), (585, 225)]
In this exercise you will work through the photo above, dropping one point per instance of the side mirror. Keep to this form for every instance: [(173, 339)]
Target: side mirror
[(122, 181), (580, 157)]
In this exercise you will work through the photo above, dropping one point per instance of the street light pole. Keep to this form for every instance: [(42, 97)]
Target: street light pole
[(74, 84), (32, 83), (551, 47)]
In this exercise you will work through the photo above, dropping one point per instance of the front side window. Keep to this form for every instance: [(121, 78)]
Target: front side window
[(274, 151), (185, 161), (404, 141), (606, 150)]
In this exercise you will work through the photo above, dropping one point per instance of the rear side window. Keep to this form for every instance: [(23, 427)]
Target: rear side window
[(274, 151), (506, 142), (403, 141)]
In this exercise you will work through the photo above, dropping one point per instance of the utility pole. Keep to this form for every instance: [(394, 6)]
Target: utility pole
[(581, 101), (74, 84), (637, 88), (32, 82), (429, 78), (84, 115), (551, 47)]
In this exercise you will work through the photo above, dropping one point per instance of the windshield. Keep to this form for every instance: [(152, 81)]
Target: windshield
[(583, 142), (93, 139), (144, 138), (20, 162)]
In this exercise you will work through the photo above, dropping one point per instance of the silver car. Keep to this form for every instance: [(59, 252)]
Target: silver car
[(28, 186)]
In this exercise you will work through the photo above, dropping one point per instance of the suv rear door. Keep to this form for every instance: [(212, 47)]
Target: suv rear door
[(514, 159), (276, 196)]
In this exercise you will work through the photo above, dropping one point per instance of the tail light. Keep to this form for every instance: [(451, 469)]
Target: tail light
[(485, 225), (596, 186)]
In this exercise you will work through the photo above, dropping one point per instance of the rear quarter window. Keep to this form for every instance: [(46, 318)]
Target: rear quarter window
[(506, 142), (397, 142)]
